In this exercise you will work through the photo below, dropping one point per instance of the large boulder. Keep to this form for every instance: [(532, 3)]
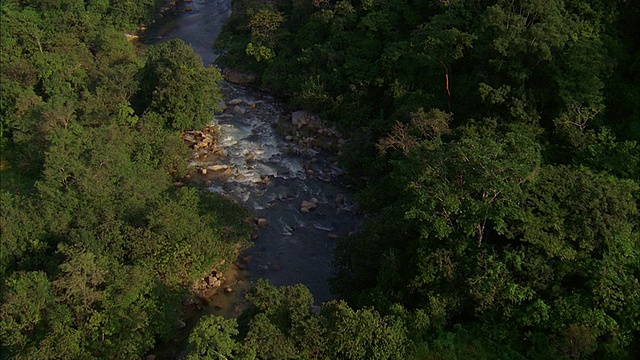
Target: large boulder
[(303, 118), (307, 206), (238, 77), (234, 102)]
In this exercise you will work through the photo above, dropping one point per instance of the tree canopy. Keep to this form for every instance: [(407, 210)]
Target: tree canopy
[(98, 243), (495, 146)]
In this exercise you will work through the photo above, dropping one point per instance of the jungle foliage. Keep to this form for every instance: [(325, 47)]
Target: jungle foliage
[(98, 244), (495, 144)]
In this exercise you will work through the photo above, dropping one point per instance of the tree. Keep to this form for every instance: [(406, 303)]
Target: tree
[(213, 338), (175, 85), (283, 326), (479, 230)]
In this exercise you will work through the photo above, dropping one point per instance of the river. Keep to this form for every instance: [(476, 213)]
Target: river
[(269, 174)]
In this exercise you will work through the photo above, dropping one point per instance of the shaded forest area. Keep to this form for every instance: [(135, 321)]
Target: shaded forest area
[(100, 240), (494, 145)]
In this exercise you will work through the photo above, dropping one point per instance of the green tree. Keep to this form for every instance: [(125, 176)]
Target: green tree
[(213, 338), (282, 325), (175, 85)]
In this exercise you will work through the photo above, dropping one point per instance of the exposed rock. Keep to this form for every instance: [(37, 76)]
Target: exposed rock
[(303, 118), (314, 200), (150, 357), (238, 77), (189, 137), (261, 222), (235, 102), (228, 289), (300, 118), (217, 167), (332, 236), (180, 324), (307, 206), (237, 110), (210, 280)]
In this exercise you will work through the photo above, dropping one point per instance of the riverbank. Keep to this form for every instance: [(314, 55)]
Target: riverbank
[(280, 166)]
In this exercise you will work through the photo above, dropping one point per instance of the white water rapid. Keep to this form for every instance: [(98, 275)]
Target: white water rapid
[(269, 175)]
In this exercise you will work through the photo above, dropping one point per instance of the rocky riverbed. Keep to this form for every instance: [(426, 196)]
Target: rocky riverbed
[(279, 165)]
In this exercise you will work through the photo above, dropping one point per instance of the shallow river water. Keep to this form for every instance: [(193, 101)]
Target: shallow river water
[(269, 175)]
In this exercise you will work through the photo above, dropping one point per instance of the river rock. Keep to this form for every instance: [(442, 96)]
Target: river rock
[(303, 118), (237, 110), (180, 324), (238, 77), (209, 279), (235, 102), (217, 167), (307, 206), (261, 222), (189, 137)]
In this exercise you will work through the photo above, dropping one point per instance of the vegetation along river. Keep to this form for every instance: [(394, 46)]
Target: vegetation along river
[(279, 170)]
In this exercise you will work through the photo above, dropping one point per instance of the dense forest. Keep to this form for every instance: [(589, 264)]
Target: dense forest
[(494, 145), (99, 238)]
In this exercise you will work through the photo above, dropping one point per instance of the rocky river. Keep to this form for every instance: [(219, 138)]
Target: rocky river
[(277, 164)]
